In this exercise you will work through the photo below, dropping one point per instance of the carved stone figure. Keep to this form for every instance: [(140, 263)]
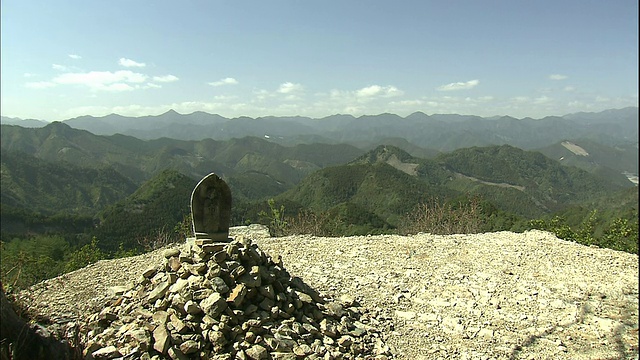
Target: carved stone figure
[(211, 209)]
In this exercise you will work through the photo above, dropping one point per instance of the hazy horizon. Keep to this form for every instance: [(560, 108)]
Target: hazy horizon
[(311, 117)]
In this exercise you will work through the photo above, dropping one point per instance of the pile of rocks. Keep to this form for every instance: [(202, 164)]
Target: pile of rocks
[(229, 301)]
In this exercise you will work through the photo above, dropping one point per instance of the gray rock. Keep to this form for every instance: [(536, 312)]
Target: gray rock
[(109, 352), (257, 352), (158, 292), (213, 305), (192, 307), (189, 347), (171, 253), (161, 339)]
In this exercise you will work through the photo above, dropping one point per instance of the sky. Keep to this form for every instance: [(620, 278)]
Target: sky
[(67, 58)]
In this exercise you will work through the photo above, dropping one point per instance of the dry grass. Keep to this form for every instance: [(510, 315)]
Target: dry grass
[(444, 219)]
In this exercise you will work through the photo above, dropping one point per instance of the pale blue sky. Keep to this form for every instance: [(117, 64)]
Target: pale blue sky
[(62, 59)]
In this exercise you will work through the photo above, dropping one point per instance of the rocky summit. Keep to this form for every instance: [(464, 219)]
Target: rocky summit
[(484, 296), (209, 300)]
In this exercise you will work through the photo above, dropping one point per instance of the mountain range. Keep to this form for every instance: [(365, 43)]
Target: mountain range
[(437, 132), (127, 191)]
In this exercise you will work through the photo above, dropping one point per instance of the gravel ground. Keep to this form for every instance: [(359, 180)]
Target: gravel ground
[(483, 296)]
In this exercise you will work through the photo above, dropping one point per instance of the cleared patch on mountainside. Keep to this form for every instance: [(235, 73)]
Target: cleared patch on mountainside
[(408, 168), (632, 177), (504, 185), (575, 148)]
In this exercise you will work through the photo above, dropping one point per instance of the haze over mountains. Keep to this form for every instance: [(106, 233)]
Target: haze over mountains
[(441, 132)]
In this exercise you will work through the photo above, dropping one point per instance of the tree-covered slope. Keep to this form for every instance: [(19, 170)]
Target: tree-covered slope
[(158, 205), (141, 160), (545, 180), (50, 187)]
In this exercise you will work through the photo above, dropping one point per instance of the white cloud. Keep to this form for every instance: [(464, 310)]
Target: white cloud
[(115, 87), (130, 63), (569, 88), (28, 75), (459, 85), (152, 86), (225, 81), (40, 85), (542, 100), (378, 91), (288, 88), (75, 57), (103, 80), (59, 67), (557, 77), (407, 102), (165, 78)]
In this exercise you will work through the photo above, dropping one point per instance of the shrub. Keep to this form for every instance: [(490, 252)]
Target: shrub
[(444, 218), (275, 219)]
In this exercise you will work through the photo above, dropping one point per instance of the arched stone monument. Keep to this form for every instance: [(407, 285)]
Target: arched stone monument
[(211, 209)]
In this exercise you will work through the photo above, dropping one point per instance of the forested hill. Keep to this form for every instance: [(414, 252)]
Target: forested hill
[(69, 197), (389, 182), (139, 160)]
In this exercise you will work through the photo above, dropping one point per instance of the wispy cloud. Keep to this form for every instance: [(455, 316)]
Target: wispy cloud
[(130, 63), (152, 86), (59, 67), (75, 56), (225, 81), (459, 85), (165, 78), (288, 88), (557, 77), (542, 100)]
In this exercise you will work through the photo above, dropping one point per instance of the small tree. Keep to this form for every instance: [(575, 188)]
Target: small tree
[(275, 218), (88, 254)]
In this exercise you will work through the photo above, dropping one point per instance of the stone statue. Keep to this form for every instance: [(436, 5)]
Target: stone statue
[(211, 209)]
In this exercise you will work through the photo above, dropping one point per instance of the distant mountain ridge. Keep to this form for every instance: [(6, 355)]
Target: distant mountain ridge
[(441, 132)]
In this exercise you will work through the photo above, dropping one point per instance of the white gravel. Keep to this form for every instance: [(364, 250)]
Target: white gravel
[(484, 296)]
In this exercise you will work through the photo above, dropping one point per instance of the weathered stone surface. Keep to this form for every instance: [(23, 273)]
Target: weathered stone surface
[(213, 305), (211, 208), (236, 297), (159, 291), (172, 252), (257, 352), (109, 352), (161, 339), (191, 307), (189, 347)]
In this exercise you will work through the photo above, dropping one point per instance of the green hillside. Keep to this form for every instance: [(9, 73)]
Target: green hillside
[(80, 212), (390, 183), (549, 184), (157, 206), (141, 160), (51, 187)]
